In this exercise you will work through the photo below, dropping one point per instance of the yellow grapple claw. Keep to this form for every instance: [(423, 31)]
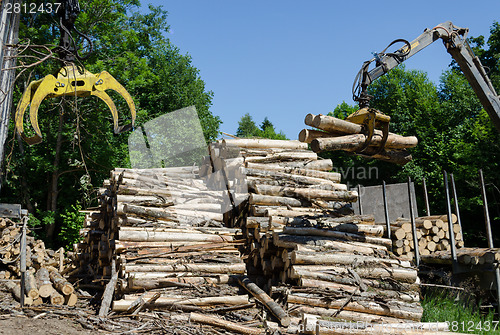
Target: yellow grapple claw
[(370, 119), (70, 81)]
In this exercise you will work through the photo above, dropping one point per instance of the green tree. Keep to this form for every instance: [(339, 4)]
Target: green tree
[(454, 132), (79, 147), (247, 128)]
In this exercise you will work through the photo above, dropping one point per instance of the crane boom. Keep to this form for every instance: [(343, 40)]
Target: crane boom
[(455, 41)]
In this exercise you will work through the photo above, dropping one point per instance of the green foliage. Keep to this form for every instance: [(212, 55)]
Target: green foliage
[(462, 317), (79, 147), (246, 126), (39, 222), (247, 129), (455, 134), (72, 222)]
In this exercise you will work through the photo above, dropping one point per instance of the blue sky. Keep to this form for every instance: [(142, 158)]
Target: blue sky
[(284, 59)]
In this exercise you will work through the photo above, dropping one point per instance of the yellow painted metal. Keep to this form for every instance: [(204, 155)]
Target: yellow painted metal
[(70, 81)]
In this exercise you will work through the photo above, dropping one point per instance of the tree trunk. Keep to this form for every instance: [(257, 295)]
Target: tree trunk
[(53, 191)]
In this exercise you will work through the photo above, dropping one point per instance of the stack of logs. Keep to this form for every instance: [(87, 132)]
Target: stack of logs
[(163, 228), (336, 134), (433, 234), (44, 281), (300, 231), (135, 203)]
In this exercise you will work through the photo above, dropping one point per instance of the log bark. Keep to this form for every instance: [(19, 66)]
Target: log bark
[(266, 300), (43, 283), (308, 193), (333, 176), (161, 282), (400, 310), (362, 277), (165, 236), (107, 297), (338, 235), (355, 142), (265, 144), (332, 272), (268, 200), (228, 325), (283, 156), (344, 259), (292, 177), (61, 284), (167, 302), (292, 241), (15, 289), (30, 286), (319, 165), (307, 135), (343, 314), (334, 125), (362, 229), (238, 268)]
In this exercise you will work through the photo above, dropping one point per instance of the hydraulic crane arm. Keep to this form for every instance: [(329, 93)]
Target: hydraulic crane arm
[(455, 41)]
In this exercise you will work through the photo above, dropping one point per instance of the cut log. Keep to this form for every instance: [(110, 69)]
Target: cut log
[(166, 302), (361, 229), (344, 259), (259, 199), (44, 284), (15, 289), (283, 156), (165, 236), (337, 235), (334, 125), (330, 273), (308, 193), (61, 284), (30, 286), (355, 142), (401, 310), (238, 268), (307, 135), (228, 325), (266, 300), (265, 144), (71, 300), (56, 298)]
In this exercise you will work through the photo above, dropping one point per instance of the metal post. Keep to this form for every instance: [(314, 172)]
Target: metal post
[(386, 210), (450, 223), (486, 212), (9, 30), (455, 200), (413, 225), (23, 259), (359, 200), (426, 198), (488, 233)]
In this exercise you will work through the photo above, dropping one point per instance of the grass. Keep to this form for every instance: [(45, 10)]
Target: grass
[(462, 318)]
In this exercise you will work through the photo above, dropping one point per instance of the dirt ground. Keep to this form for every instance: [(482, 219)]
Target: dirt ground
[(46, 325)]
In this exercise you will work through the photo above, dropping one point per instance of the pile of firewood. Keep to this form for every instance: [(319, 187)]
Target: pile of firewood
[(467, 256), (45, 269), (433, 234), (301, 232), (336, 134), (163, 231), (137, 205)]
